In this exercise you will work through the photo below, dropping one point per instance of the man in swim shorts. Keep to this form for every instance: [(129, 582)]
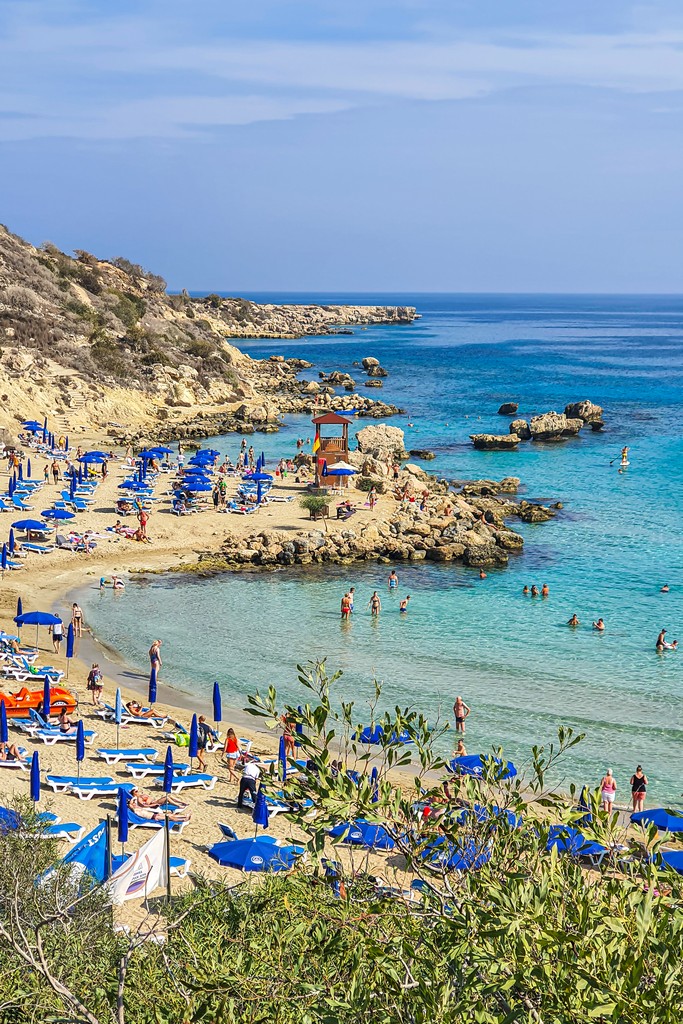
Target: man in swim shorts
[(461, 711)]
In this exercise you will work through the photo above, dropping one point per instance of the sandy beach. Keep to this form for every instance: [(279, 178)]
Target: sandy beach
[(51, 581)]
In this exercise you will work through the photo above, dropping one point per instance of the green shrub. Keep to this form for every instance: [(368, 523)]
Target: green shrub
[(201, 348), (313, 503), (366, 483)]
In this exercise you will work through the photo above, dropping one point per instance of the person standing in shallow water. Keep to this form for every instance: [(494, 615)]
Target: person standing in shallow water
[(374, 604), (638, 788), (345, 606), (155, 655), (461, 711)]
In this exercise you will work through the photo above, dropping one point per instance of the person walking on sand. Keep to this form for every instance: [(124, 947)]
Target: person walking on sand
[(155, 655), (204, 735), (77, 619), (461, 711), (55, 472), (374, 604), (94, 683), (608, 790), (231, 751), (638, 788), (46, 473), (57, 635)]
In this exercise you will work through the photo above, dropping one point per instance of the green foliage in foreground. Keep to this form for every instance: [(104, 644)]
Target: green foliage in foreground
[(530, 937)]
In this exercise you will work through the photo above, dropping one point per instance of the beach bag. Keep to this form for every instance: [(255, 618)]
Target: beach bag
[(182, 739)]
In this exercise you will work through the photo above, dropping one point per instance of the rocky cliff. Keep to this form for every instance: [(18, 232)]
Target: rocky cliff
[(102, 341)]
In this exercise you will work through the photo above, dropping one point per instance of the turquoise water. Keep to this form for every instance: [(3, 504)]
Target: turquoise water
[(516, 663)]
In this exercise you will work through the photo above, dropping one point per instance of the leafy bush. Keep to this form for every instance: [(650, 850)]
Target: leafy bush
[(366, 483), (129, 308), (313, 503), (201, 348)]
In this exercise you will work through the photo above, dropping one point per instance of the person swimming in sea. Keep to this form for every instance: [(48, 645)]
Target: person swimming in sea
[(525, 590), (574, 621), (403, 606), (482, 574), (545, 590), (599, 625), (664, 589), (534, 591), (673, 646)]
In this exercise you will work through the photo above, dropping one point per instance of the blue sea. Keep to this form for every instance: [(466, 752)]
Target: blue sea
[(514, 660)]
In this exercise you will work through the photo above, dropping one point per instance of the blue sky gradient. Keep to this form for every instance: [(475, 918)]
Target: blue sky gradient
[(435, 145)]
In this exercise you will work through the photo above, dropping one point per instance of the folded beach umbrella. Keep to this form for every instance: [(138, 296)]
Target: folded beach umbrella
[(28, 468), (80, 745), (11, 487), (665, 819), (72, 486), (261, 854), (217, 704), (12, 543), (57, 513), (70, 644), (122, 815), (21, 470), (473, 764), (260, 813), (282, 758), (66, 443), (20, 607), (80, 474), (152, 691), (373, 783), (35, 778), (193, 745), (46, 698), (3, 558), (167, 781), (118, 712), (363, 833), (4, 735)]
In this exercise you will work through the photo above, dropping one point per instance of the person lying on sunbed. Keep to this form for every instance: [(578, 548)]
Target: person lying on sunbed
[(10, 752), (137, 710), (150, 807)]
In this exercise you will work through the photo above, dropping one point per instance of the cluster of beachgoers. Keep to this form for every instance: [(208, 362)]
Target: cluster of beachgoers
[(102, 753)]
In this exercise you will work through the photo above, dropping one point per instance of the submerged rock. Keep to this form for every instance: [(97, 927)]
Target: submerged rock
[(422, 453), (508, 409)]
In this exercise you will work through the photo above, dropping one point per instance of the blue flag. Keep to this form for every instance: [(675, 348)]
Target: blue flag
[(91, 853)]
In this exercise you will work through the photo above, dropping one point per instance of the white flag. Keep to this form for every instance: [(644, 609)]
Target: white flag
[(142, 873)]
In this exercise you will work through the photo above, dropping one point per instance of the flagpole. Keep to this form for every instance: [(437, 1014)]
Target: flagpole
[(168, 858), (108, 857)]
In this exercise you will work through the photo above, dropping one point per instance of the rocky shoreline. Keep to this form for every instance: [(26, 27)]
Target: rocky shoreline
[(468, 527)]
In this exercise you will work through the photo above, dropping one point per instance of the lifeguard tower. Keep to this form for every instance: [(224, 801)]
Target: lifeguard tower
[(330, 448)]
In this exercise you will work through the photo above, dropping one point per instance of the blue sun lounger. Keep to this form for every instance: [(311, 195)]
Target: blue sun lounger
[(37, 549), (112, 755), (63, 783), (52, 736), (181, 782), (141, 771), (135, 821)]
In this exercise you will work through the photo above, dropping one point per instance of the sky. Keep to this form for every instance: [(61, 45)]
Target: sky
[(351, 145)]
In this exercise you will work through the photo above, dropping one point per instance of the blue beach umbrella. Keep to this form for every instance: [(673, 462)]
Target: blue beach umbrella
[(93, 457), (299, 728), (363, 833), (260, 813), (473, 764), (70, 644), (217, 704), (72, 487), (28, 468), (373, 783), (665, 820), (262, 854), (31, 425), (167, 780), (11, 487), (152, 690), (257, 476), (122, 815), (198, 487), (4, 735), (3, 558), (33, 525), (80, 474), (57, 514), (80, 745), (37, 619), (12, 542), (118, 712), (282, 758), (46, 697), (44, 435), (20, 607), (35, 778), (21, 471), (193, 745), (66, 443), (449, 856), (259, 492)]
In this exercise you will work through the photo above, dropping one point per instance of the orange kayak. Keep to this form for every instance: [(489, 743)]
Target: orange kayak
[(18, 704)]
